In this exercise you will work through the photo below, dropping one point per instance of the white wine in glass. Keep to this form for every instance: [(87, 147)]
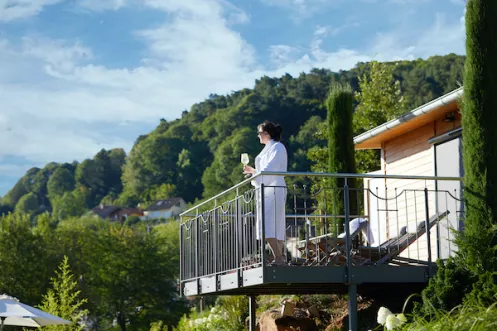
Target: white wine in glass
[(245, 160)]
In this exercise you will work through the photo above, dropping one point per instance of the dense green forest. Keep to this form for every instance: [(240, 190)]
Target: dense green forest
[(197, 155)]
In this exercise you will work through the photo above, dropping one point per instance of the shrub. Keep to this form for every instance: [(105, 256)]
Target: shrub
[(447, 288), (132, 220), (228, 314), (484, 290)]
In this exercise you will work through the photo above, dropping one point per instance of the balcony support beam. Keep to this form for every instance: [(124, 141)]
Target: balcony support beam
[(252, 312), (352, 307)]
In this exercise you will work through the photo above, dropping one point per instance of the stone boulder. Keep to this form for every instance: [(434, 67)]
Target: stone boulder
[(274, 321)]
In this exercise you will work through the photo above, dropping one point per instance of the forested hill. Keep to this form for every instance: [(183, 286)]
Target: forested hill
[(198, 155)]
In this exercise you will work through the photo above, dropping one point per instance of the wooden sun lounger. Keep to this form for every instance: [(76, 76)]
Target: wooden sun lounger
[(394, 246)]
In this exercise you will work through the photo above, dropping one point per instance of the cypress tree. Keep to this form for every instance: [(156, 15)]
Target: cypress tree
[(341, 147), (479, 118), (474, 267)]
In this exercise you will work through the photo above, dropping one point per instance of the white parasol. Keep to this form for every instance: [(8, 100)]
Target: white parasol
[(13, 312)]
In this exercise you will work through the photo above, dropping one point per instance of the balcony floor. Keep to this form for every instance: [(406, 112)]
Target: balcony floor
[(310, 280)]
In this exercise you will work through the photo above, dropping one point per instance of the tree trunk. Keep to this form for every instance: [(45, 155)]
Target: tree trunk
[(121, 321)]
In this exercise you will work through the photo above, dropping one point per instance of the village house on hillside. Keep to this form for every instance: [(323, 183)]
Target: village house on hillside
[(115, 213), (167, 208), (423, 142)]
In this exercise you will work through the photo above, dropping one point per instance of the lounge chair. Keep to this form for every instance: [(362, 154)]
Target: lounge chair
[(325, 248), (394, 246)]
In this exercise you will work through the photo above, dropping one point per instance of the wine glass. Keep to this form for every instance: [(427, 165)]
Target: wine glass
[(245, 160)]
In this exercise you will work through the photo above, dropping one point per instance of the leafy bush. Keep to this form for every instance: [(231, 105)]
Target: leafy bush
[(132, 220), (484, 289), (267, 302), (448, 287), (228, 314)]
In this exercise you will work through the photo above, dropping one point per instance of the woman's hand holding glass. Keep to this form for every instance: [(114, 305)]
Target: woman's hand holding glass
[(248, 170)]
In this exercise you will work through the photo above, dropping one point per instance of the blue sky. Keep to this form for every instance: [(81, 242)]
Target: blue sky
[(77, 76)]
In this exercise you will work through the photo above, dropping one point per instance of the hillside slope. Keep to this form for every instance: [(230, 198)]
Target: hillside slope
[(197, 155)]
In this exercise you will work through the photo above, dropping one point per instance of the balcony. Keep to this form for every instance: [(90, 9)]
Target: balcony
[(384, 231)]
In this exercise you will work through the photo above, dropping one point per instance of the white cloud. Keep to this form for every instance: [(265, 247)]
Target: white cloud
[(399, 2), (56, 53), (222, 9), (100, 5), (321, 31), (442, 37), (283, 53), (13, 170), (296, 4), (324, 31), (11, 10), (18, 9), (190, 56), (302, 8), (408, 2), (41, 137)]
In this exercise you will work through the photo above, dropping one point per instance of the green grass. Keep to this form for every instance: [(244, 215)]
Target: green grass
[(467, 317)]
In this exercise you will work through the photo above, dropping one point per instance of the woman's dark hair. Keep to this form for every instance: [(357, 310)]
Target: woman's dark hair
[(275, 131)]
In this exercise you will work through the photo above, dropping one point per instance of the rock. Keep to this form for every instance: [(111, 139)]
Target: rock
[(313, 311), (288, 309), (274, 321)]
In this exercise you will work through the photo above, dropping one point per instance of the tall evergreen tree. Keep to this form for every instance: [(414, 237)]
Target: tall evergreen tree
[(341, 146), (64, 299), (479, 144)]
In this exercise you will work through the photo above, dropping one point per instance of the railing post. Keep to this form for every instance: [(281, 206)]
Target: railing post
[(263, 234), (181, 254), (352, 287), (215, 237), (428, 236), (197, 245), (307, 224), (348, 245), (238, 232)]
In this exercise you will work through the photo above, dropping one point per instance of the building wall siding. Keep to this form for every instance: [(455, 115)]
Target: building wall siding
[(410, 154)]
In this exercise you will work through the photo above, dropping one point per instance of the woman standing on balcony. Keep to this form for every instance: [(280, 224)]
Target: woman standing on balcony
[(272, 158)]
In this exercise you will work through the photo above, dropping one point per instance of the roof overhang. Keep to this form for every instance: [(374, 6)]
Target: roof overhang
[(418, 117)]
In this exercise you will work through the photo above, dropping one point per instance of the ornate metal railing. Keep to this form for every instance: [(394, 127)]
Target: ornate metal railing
[(381, 219)]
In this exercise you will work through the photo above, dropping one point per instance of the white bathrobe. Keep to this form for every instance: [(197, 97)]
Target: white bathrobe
[(272, 158)]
